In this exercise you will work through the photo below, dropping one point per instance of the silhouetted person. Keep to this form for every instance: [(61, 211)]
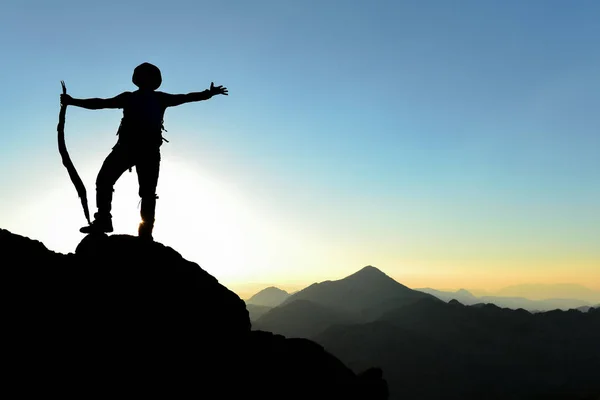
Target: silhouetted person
[(140, 138)]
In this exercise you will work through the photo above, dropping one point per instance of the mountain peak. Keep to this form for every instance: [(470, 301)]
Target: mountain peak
[(270, 297), (364, 294), (368, 272), (371, 277)]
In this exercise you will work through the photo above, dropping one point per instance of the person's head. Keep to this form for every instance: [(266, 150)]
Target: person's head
[(147, 76)]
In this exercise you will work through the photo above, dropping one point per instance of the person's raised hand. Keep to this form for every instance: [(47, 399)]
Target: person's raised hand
[(218, 89)]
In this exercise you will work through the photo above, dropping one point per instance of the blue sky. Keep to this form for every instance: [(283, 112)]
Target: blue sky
[(443, 142)]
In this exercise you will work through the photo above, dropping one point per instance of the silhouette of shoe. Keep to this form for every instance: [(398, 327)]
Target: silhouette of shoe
[(99, 225), (145, 231)]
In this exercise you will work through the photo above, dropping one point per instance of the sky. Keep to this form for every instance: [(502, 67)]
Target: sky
[(449, 144)]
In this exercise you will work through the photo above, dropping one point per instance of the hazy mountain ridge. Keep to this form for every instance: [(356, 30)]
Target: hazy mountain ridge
[(126, 315), (358, 293), (302, 318), (275, 296), (265, 300), (477, 352), (551, 291), (255, 312), (361, 297), (431, 349), (269, 297), (467, 298)]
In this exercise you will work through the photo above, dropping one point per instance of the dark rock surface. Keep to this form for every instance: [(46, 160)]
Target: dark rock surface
[(126, 317)]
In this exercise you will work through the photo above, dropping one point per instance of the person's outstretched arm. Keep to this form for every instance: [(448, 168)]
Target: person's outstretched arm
[(172, 100), (95, 103)]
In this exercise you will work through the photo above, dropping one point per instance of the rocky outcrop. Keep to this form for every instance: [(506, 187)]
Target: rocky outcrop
[(125, 317)]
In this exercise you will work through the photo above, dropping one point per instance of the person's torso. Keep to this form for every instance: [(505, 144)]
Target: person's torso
[(142, 121)]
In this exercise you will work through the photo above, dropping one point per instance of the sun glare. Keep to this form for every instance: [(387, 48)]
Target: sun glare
[(196, 215)]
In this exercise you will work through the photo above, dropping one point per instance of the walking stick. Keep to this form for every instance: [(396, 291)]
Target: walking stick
[(66, 159)]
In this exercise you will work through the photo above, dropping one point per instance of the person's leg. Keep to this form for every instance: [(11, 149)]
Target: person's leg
[(117, 162), (147, 167)]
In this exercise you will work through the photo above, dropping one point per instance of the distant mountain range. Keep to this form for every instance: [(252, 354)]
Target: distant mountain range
[(272, 297), (360, 297), (467, 298), (433, 347), (551, 291)]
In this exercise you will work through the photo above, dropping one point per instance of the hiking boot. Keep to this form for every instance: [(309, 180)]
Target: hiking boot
[(100, 224), (145, 230)]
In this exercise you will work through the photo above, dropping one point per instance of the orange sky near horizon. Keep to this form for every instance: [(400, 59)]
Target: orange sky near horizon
[(481, 282)]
